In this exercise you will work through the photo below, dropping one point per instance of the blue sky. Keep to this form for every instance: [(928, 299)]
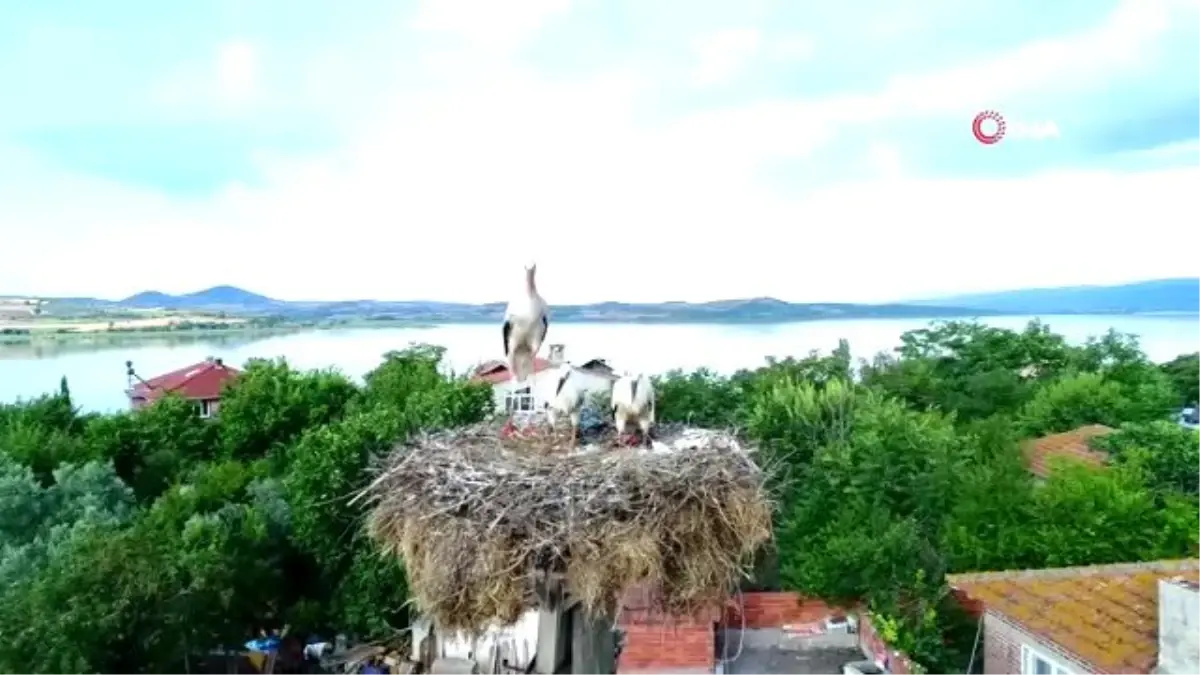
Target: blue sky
[(637, 149)]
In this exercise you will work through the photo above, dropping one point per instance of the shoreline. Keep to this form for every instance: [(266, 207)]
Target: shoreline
[(65, 334)]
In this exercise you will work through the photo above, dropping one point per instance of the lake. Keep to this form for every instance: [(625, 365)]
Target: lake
[(96, 372)]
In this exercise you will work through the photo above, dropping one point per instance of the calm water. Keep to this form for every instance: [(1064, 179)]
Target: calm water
[(96, 372)]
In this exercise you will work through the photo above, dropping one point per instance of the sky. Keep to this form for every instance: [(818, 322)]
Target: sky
[(637, 150)]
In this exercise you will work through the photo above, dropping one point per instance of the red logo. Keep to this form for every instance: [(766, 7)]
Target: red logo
[(983, 136)]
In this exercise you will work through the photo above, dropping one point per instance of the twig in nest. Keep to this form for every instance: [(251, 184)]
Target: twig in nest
[(476, 517)]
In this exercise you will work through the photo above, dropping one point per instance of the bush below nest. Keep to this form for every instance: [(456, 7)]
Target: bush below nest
[(480, 521)]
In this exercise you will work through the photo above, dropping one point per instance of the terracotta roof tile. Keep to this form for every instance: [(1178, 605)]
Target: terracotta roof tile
[(1105, 615), (202, 380), (1073, 444), (496, 372)]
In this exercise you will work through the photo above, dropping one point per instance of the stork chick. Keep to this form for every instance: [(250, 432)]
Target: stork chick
[(525, 324), (568, 400), (633, 399)]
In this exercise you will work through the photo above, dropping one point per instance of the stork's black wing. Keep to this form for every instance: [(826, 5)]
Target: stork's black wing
[(507, 334), (545, 326)]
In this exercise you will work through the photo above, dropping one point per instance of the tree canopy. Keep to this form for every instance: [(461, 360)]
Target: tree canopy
[(140, 541)]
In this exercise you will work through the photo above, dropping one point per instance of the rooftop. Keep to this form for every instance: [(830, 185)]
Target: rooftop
[(198, 381), (1073, 444), (496, 372), (1104, 615)]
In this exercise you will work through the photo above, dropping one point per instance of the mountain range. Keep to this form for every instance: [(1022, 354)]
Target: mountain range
[(1148, 297), (1159, 295)]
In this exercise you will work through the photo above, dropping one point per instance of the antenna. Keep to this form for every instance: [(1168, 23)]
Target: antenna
[(130, 376)]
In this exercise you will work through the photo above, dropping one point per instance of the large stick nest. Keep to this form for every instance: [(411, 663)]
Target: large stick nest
[(483, 523)]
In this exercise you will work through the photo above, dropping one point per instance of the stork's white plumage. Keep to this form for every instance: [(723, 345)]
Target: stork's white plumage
[(568, 399), (525, 323), (633, 400)]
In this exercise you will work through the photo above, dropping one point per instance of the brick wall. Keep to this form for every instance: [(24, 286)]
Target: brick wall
[(1002, 648), (778, 610), (655, 643), (658, 644), (877, 649)]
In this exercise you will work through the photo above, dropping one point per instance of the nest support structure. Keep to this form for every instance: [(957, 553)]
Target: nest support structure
[(490, 527)]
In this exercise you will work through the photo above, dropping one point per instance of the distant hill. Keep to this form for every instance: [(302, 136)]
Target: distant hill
[(1144, 297), (236, 301), (223, 297)]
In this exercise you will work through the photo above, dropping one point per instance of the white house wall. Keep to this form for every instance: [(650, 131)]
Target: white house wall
[(545, 383)]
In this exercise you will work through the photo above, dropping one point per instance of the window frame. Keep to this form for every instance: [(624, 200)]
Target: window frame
[(1029, 657), (206, 408), (519, 400)]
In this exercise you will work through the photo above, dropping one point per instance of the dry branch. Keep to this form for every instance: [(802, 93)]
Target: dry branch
[(481, 521)]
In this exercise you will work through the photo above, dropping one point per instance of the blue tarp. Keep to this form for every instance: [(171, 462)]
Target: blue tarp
[(265, 645)]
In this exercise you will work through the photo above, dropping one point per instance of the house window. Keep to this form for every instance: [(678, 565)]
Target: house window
[(207, 408), (1036, 662), (520, 400)]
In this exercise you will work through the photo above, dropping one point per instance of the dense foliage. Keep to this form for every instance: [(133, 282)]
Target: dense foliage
[(139, 541), (914, 469)]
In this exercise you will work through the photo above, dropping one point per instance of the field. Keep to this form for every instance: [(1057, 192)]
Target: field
[(30, 328), (97, 325)]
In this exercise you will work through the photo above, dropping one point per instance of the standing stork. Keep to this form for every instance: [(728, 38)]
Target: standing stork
[(568, 400), (525, 323), (633, 399)]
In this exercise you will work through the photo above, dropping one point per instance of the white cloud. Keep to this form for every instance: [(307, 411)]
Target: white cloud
[(793, 48), (236, 72), (1123, 40), (722, 54), (486, 23), (445, 191), (884, 160)]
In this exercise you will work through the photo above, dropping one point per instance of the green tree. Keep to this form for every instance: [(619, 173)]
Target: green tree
[(1184, 373), (1091, 398), (1089, 516), (701, 397), (152, 447), (1167, 453), (968, 368), (270, 405)]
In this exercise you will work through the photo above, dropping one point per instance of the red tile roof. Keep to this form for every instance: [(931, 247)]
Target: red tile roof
[(1073, 444), (196, 382), (496, 372), (1104, 615)]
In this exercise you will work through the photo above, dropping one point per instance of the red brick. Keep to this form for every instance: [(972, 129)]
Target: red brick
[(658, 643), (775, 610)]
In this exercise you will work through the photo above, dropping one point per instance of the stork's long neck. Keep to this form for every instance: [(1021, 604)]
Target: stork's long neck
[(530, 282)]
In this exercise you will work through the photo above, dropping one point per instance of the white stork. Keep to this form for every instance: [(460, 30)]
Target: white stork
[(525, 323), (568, 400), (633, 399)]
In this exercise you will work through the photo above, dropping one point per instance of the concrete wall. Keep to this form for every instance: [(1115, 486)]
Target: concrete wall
[(1178, 628)]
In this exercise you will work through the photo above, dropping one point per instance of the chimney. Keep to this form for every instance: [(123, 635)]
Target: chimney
[(556, 354), (220, 362), (1178, 623)]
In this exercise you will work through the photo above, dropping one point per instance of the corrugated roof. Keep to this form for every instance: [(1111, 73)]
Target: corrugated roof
[(202, 380), (1104, 615), (1073, 444)]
